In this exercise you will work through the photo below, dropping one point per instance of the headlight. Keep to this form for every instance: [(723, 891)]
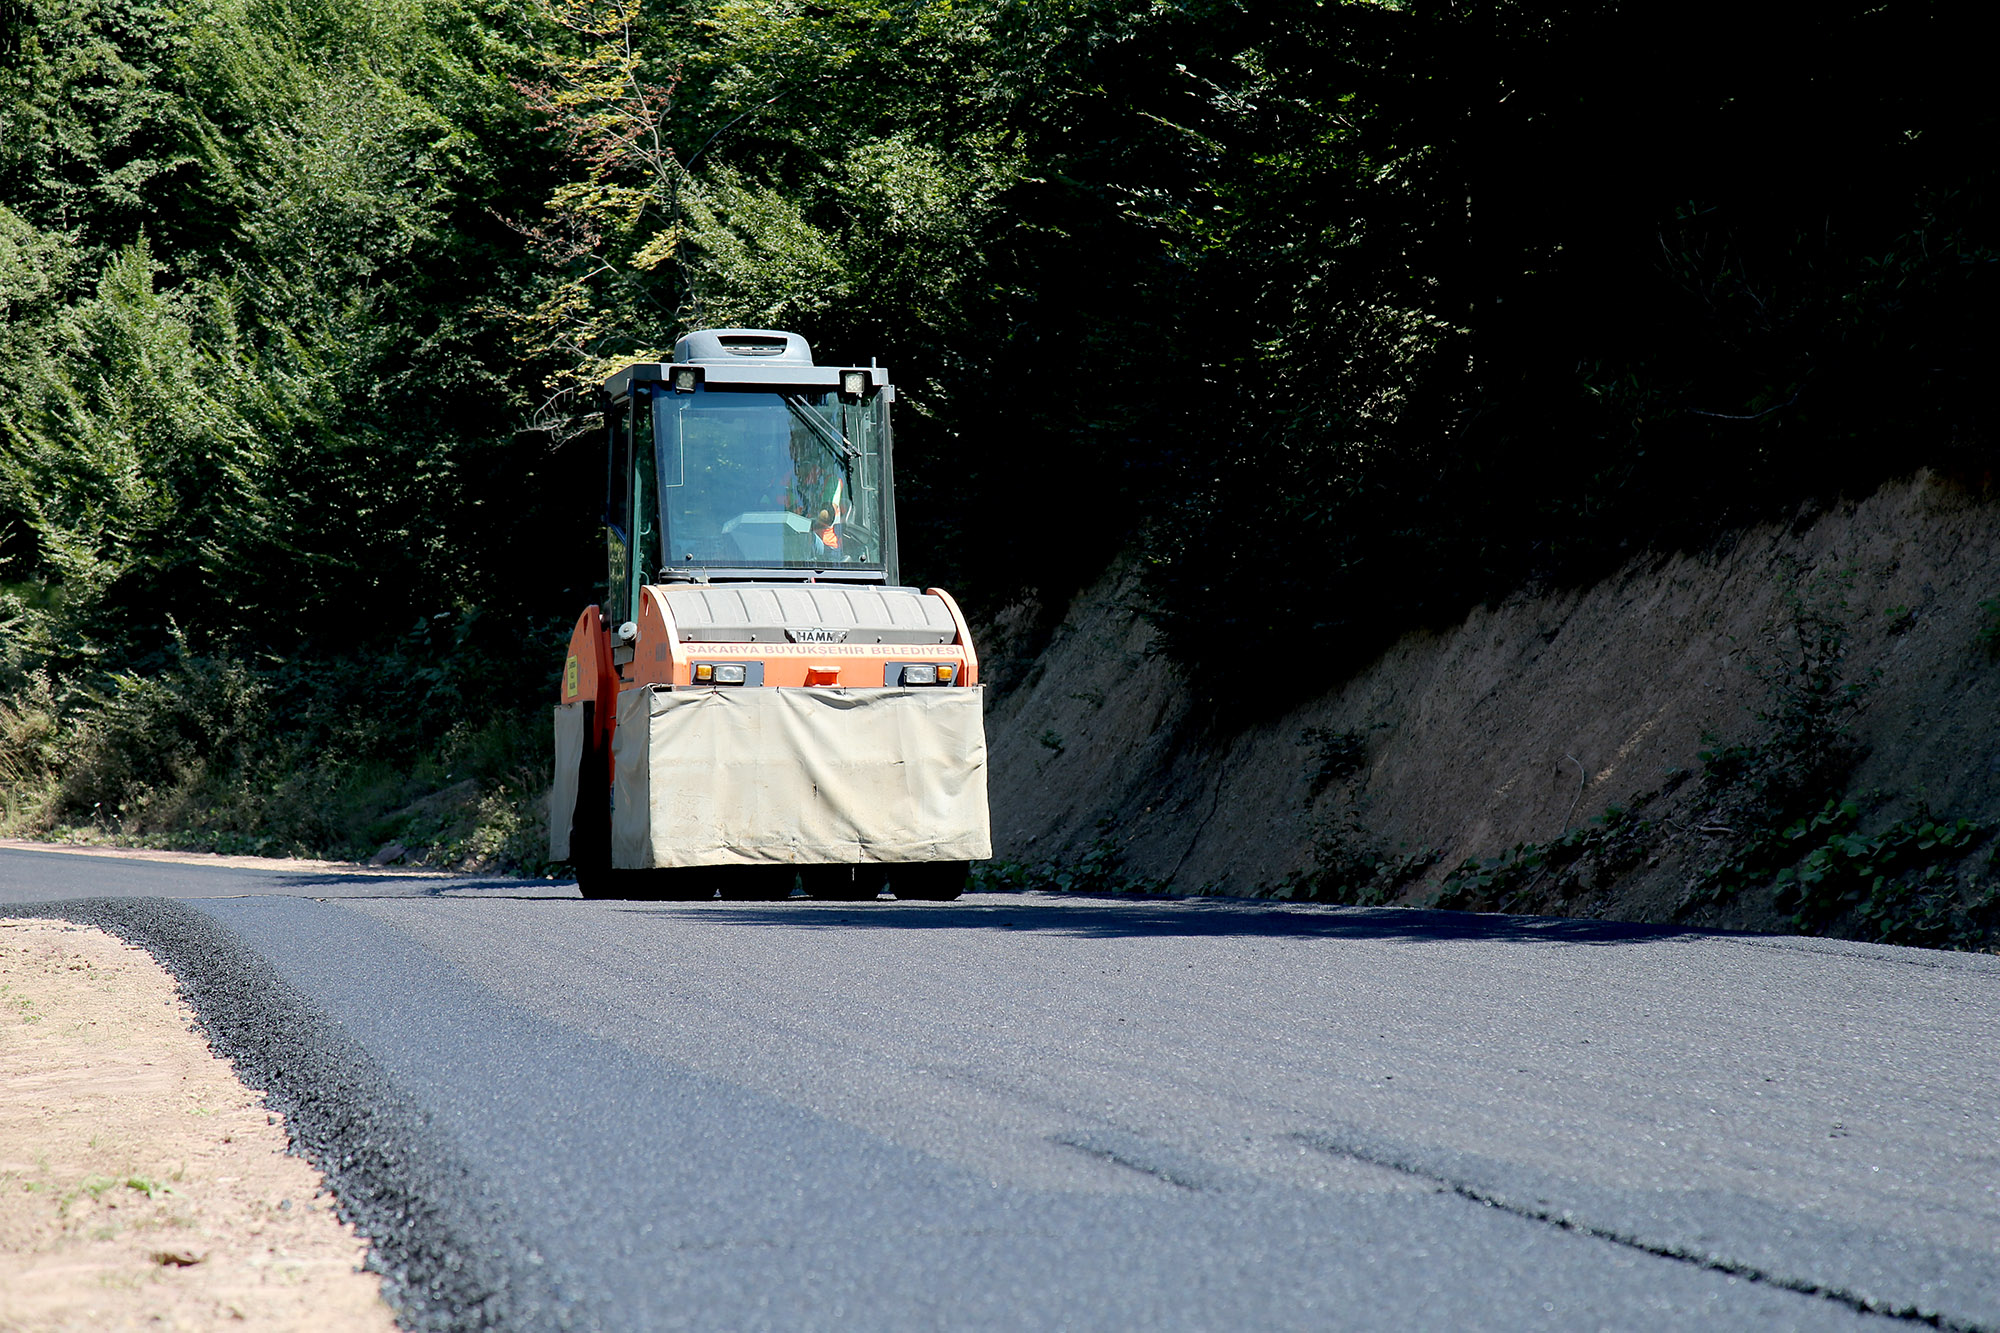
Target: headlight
[(721, 673), (919, 675)]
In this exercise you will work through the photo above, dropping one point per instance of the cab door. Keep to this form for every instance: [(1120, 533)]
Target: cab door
[(620, 597), (631, 505)]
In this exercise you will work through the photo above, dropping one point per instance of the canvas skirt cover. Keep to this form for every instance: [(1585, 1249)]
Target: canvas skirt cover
[(562, 793), (755, 776)]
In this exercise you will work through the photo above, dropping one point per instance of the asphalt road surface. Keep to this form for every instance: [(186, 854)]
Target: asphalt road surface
[(1084, 1113)]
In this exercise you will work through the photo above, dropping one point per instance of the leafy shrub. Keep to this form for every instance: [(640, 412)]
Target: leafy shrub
[(1895, 882), (1097, 870), (1752, 792), (144, 736), (1581, 860), (329, 759), (30, 753), (1988, 634), (1365, 878)]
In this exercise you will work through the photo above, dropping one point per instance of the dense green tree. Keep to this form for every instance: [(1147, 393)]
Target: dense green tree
[(1344, 315), (255, 411), (1486, 296)]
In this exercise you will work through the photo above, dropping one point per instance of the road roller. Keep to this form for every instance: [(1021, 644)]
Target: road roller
[(759, 706)]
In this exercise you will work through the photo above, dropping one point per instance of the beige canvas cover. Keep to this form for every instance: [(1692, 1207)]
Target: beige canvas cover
[(754, 776), (562, 793)]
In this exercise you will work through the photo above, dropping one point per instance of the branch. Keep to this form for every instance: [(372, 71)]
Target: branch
[(689, 164)]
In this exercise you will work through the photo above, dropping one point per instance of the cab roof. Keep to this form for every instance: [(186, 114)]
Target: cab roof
[(745, 358)]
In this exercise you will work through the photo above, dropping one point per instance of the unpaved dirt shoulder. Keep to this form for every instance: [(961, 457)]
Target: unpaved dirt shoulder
[(141, 1184), (446, 1239)]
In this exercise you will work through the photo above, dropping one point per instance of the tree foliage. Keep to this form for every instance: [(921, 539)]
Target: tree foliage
[(1345, 315), (614, 219)]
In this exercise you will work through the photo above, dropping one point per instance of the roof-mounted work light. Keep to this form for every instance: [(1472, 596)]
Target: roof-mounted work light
[(854, 383), (685, 379)]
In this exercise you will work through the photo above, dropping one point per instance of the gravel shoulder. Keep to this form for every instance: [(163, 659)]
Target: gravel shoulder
[(141, 1184)]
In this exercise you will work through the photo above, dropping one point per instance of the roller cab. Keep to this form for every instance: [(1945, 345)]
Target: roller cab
[(758, 703)]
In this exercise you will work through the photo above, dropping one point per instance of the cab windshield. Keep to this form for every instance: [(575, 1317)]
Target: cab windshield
[(764, 480)]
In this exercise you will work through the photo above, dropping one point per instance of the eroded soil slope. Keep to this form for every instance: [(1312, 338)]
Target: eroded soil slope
[(1525, 720)]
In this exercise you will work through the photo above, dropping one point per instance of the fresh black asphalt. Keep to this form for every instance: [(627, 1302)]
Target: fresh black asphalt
[(1052, 1113)]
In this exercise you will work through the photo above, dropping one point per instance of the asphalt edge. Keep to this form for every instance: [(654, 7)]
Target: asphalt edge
[(449, 1260)]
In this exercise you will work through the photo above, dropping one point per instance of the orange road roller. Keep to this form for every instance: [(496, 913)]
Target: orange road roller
[(759, 705)]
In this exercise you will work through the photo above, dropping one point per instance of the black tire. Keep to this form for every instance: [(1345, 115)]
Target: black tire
[(590, 824), (595, 881), (844, 883), (929, 881)]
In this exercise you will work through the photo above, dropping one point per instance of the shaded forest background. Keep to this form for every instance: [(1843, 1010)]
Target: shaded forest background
[(1346, 316)]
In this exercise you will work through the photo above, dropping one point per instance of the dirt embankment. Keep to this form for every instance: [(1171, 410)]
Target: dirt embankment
[(1523, 721)]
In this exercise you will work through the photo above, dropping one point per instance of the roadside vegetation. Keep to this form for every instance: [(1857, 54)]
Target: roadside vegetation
[(1345, 316), (1775, 811), (1772, 830)]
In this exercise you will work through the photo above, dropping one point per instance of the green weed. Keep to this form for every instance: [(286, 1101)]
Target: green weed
[(1364, 880), (1896, 883), (1988, 633), (1097, 870), (98, 1186), (22, 1003), (1543, 877)]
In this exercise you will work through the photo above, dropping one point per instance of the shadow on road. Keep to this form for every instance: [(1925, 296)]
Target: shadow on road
[(337, 884), (1113, 919)]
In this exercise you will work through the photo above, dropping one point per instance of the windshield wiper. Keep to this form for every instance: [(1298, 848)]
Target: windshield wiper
[(828, 436)]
